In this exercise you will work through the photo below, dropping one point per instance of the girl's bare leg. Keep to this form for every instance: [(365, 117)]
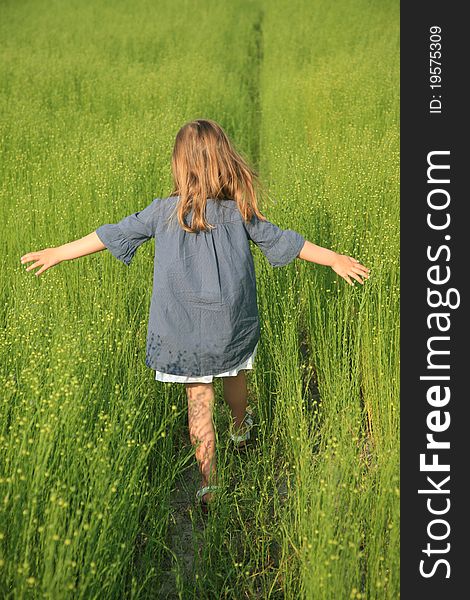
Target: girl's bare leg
[(201, 430), (235, 394)]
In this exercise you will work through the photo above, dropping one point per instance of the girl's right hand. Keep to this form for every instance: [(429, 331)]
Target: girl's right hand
[(47, 258), (347, 266)]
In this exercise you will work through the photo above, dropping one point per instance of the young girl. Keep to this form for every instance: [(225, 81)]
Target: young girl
[(203, 319)]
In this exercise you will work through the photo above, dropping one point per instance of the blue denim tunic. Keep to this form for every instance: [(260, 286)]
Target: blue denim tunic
[(203, 311)]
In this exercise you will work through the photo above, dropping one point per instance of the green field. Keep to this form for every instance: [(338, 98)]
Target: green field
[(97, 473)]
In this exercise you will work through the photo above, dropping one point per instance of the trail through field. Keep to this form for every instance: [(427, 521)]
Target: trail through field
[(182, 533), (185, 535)]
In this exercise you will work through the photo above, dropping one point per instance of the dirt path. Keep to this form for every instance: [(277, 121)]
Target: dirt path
[(180, 537)]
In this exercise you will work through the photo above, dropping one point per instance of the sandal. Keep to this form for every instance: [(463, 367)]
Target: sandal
[(244, 437), (202, 492)]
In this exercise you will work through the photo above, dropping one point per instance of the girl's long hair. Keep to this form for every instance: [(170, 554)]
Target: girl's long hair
[(206, 165)]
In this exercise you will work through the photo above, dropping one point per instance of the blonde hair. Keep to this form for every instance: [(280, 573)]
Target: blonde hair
[(205, 165)]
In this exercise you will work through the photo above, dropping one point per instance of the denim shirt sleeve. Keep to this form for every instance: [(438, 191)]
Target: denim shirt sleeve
[(123, 238), (280, 246)]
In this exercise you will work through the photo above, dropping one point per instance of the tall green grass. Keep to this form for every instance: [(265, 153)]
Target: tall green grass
[(93, 448), (330, 146)]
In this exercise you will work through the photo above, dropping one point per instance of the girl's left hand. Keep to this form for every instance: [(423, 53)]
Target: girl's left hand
[(47, 258), (347, 266)]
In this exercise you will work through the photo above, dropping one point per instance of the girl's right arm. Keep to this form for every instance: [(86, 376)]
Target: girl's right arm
[(343, 265), (281, 246), (49, 257)]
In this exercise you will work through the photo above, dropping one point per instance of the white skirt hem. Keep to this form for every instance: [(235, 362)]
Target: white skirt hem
[(168, 377)]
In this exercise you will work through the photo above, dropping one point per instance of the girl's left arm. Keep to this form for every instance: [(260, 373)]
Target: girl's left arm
[(122, 239), (50, 257)]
